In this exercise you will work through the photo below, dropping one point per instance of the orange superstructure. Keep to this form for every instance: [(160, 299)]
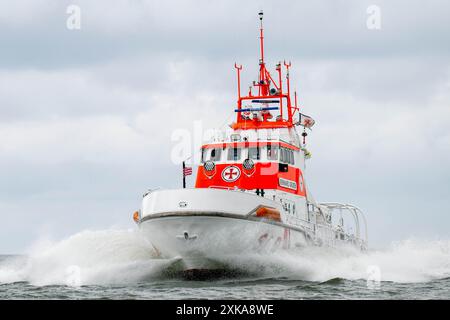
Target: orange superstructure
[(263, 151)]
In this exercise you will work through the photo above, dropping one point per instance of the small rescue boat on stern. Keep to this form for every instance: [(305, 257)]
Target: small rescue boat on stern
[(250, 193)]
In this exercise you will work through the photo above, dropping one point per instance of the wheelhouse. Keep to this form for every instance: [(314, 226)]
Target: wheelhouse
[(262, 165), (257, 152), (263, 152)]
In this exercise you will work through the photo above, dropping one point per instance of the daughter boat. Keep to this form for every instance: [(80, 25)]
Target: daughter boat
[(250, 194)]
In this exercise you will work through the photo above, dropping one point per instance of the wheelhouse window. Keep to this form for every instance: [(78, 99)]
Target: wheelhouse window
[(234, 154), (272, 152), (254, 153), (287, 156), (213, 154), (282, 155)]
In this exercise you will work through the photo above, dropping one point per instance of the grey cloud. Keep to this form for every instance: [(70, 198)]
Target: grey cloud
[(112, 30), (86, 117)]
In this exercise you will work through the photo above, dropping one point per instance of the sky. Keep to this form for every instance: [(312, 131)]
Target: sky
[(87, 115)]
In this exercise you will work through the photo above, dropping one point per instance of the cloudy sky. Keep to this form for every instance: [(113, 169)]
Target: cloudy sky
[(86, 116)]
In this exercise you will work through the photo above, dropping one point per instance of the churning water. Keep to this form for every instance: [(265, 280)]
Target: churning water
[(119, 264)]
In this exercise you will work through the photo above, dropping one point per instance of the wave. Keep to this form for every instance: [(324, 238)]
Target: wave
[(123, 256), (407, 261), (88, 257)]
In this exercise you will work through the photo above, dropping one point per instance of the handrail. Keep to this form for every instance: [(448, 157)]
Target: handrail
[(221, 187), (355, 211)]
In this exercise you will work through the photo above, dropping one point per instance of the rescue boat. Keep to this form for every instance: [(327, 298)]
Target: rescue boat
[(250, 194)]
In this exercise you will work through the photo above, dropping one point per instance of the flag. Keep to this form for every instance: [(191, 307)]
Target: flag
[(187, 171), (306, 121)]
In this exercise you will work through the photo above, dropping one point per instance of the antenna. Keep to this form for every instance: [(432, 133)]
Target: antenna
[(238, 69), (263, 81), (267, 88), (261, 37)]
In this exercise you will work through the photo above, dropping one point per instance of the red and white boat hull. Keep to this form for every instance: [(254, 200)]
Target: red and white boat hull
[(183, 223)]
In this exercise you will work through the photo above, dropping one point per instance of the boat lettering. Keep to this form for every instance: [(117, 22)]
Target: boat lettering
[(287, 184)]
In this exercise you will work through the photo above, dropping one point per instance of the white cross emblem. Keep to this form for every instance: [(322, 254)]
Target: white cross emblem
[(231, 173)]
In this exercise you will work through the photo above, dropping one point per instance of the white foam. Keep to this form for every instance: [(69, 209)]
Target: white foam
[(405, 261), (88, 257), (122, 256)]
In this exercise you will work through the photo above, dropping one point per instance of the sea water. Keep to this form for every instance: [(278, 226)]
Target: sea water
[(119, 264)]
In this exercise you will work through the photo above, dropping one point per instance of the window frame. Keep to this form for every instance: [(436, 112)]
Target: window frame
[(274, 149), (217, 154), (258, 153), (232, 151)]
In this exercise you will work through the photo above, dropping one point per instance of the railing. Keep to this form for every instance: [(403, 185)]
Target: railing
[(222, 187), (356, 213)]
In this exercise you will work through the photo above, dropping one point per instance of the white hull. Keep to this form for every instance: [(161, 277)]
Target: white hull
[(204, 241), (204, 226)]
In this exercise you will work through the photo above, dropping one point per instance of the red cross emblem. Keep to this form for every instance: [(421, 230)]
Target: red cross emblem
[(231, 173)]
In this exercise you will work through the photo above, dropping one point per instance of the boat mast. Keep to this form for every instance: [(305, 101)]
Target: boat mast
[(264, 82), (267, 88)]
